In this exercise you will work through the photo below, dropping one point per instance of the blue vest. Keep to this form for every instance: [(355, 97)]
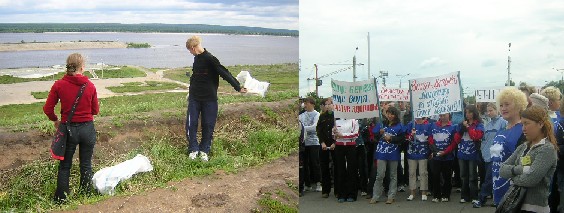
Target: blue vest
[(467, 148), (418, 149), (443, 137), (506, 139), (385, 150)]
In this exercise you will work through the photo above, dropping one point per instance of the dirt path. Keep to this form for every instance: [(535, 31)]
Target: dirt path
[(20, 93), (216, 193)]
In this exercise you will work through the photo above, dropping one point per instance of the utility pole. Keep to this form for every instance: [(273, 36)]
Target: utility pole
[(561, 72), (317, 84), (401, 77), (509, 66), (368, 55), (383, 75), (354, 68)]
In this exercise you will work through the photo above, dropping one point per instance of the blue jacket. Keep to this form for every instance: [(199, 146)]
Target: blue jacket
[(418, 149), (491, 129)]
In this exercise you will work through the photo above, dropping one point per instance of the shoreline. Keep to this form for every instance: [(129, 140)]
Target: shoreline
[(65, 45)]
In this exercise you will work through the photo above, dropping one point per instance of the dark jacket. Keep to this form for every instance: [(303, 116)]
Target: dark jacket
[(205, 77), (324, 128)]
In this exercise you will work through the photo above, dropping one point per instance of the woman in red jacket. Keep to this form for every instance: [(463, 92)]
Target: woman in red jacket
[(81, 126)]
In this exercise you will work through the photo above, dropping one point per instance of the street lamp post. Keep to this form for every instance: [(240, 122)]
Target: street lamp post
[(561, 72), (401, 77)]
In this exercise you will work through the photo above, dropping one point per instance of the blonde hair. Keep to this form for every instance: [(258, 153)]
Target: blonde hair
[(193, 41), (74, 62), (492, 105), (552, 93), (512, 94), (540, 115)]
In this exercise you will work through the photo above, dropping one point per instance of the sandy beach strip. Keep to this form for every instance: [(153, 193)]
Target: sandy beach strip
[(66, 45)]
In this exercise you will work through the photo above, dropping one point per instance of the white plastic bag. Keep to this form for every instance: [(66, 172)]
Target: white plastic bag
[(253, 85), (108, 178)]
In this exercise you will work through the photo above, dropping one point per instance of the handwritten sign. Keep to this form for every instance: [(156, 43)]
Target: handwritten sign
[(436, 95), (486, 95), (393, 94), (354, 99)]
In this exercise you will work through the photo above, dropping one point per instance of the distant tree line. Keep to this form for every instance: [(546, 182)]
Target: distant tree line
[(164, 28)]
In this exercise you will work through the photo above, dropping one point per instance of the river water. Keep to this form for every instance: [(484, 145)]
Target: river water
[(168, 49)]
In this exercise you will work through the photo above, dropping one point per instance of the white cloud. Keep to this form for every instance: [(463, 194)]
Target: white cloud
[(432, 63), (283, 15)]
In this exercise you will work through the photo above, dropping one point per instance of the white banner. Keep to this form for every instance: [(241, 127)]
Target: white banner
[(436, 95), (354, 99), (393, 94), (486, 95)]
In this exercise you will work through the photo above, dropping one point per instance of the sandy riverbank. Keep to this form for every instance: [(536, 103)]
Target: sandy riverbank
[(67, 45)]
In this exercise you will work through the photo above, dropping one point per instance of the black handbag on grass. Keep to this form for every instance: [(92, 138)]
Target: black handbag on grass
[(59, 143)]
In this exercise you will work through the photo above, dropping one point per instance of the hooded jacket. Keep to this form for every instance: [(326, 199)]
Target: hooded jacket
[(66, 90)]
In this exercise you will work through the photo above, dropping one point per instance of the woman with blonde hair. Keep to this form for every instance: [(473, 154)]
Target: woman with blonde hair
[(511, 103), (533, 163), (81, 125)]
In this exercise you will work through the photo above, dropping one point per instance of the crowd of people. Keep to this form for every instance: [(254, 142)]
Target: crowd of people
[(479, 152)]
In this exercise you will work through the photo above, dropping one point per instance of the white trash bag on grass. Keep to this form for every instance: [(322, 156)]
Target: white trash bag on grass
[(253, 85), (108, 178)]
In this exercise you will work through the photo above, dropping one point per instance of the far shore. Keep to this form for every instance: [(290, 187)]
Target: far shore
[(66, 45)]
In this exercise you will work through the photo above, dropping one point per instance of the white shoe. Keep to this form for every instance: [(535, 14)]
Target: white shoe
[(318, 188), (410, 198), (193, 155), (204, 156), (308, 188), (435, 200), (462, 201), (424, 197), (363, 194), (444, 199)]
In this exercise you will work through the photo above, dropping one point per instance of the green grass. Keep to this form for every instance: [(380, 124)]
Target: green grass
[(147, 86), (138, 45), (271, 205), (122, 72), (40, 95), (280, 76), (30, 116), (31, 189)]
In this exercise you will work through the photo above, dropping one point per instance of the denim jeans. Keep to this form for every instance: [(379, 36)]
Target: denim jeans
[(83, 135), (469, 179), (487, 185), (208, 110)]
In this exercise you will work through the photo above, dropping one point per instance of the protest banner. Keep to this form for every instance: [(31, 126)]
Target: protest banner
[(486, 95), (355, 99), (436, 95), (393, 94)]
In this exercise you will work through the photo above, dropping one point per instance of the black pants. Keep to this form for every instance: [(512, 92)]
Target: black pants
[(302, 173), (84, 135), (346, 184), (362, 169), (370, 165), (372, 178), (441, 169), (456, 181), (326, 157), (312, 168)]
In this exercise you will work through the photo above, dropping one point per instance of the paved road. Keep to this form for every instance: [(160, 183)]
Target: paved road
[(312, 202)]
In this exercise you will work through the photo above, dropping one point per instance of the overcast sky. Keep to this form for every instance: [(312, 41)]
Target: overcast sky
[(281, 14), (429, 38)]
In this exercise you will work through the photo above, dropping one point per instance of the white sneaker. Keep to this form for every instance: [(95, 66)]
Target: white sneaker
[(193, 155), (410, 198), (204, 156), (435, 200), (308, 188), (318, 188), (444, 199), (424, 197), (462, 201), (363, 194)]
